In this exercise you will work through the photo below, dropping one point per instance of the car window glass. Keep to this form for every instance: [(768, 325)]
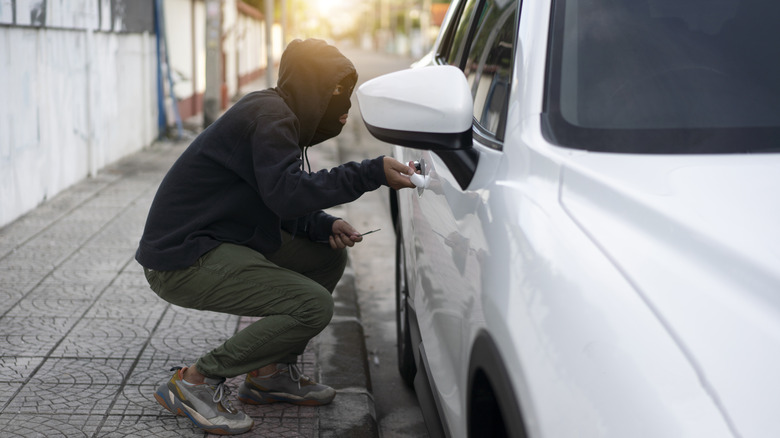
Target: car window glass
[(461, 32), (488, 67), (664, 76)]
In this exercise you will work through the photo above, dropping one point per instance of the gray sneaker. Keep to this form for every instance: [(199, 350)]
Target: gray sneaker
[(288, 385), (205, 404)]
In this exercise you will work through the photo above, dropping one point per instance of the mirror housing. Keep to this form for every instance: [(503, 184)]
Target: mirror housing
[(424, 108)]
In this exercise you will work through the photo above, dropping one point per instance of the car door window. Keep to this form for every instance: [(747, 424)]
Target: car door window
[(488, 66), (459, 35)]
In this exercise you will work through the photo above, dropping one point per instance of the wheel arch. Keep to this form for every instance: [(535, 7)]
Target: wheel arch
[(490, 391)]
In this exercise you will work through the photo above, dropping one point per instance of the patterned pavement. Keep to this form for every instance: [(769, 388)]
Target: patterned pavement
[(84, 341)]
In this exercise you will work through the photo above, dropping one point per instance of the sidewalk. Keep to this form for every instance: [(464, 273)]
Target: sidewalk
[(84, 342)]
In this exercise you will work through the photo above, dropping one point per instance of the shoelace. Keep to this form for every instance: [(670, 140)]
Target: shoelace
[(295, 373), (220, 391)]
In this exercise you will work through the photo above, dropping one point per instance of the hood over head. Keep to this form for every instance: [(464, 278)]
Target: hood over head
[(309, 72)]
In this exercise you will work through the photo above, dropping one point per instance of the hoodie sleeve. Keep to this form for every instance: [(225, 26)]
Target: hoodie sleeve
[(319, 226), (289, 191)]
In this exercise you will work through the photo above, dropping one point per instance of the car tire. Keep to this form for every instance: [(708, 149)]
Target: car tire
[(406, 365)]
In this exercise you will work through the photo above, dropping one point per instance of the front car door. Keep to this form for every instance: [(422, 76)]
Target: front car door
[(449, 246)]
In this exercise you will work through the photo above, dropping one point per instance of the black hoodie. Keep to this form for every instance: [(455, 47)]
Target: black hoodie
[(242, 180)]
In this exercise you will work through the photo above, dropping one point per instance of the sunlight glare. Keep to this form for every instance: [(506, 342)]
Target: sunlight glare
[(327, 7)]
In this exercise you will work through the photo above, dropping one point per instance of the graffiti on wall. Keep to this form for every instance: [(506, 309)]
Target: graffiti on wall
[(126, 16)]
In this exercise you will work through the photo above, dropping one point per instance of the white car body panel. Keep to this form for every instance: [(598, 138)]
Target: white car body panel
[(709, 271), (638, 300)]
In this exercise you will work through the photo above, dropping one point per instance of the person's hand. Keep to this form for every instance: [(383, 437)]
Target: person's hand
[(397, 173), (344, 235)]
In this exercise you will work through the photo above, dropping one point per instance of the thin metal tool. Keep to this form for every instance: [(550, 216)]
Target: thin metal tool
[(361, 235)]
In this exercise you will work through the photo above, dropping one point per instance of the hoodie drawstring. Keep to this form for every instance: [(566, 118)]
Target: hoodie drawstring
[(306, 157)]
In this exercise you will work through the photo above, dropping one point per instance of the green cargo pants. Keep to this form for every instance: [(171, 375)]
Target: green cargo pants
[(291, 289)]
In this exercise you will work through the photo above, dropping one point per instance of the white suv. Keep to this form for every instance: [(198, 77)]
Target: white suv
[(593, 249)]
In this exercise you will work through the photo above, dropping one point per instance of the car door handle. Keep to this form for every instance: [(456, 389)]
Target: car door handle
[(419, 181)]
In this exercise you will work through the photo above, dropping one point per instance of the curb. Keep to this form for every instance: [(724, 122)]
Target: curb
[(343, 362)]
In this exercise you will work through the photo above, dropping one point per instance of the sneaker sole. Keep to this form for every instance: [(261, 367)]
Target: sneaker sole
[(252, 397), (218, 430)]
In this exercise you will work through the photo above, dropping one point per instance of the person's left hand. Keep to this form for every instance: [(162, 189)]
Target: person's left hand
[(344, 235)]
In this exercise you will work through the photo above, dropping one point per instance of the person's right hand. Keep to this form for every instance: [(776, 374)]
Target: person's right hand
[(397, 173)]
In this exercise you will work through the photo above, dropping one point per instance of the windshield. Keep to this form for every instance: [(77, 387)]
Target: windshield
[(665, 76)]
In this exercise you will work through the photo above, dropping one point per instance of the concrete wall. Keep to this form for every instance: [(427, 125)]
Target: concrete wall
[(78, 84), (77, 93)]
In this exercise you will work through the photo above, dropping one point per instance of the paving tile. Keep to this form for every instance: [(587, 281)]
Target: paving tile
[(28, 345), (131, 290), (14, 263), (117, 236), (134, 307), (88, 371), (152, 372), (33, 326), (99, 347), (20, 231), (15, 275), (140, 328), (72, 232), (35, 259), (99, 259), (10, 289), (51, 398), (171, 358), (51, 290), (105, 338), (133, 275), (164, 425), (246, 321), (70, 426), (199, 323), (182, 351), (7, 391), (64, 277), (93, 215), (9, 296), (7, 247), (51, 306), (110, 199), (137, 400), (18, 369)]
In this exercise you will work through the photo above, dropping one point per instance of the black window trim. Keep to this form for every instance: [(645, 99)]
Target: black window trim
[(484, 137)]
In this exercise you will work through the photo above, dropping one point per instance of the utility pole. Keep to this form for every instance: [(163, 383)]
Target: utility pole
[(211, 96), (269, 47), (284, 24)]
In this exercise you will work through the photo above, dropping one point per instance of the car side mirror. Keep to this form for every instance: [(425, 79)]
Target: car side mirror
[(423, 108)]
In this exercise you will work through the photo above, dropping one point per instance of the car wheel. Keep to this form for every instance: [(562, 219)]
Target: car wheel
[(406, 365)]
